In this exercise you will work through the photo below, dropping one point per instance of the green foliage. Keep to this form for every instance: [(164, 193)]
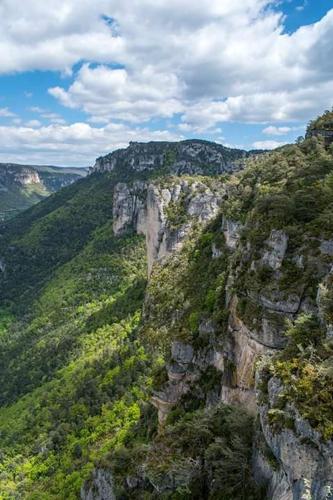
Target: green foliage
[(73, 374), (78, 359), (305, 369), (324, 121), (205, 454), (192, 278)]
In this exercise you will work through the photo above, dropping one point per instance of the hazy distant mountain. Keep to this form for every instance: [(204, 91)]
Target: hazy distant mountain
[(24, 185)]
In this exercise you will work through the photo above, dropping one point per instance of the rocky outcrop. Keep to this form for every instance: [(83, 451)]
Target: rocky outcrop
[(303, 468), (130, 207), (164, 213), (184, 157), (180, 378), (22, 185), (231, 230), (99, 486), (277, 244), (325, 303), (242, 349), (23, 176), (326, 247), (326, 134)]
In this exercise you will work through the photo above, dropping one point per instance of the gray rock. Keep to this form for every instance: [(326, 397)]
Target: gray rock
[(231, 230), (277, 302), (184, 157), (182, 353), (99, 487), (277, 245), (144, 208), (129, 207), (303, 457), (326, 247), (216, 252)]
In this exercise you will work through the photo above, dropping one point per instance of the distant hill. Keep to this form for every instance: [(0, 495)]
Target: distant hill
[(24, 185), (166, 328), (192, 156)]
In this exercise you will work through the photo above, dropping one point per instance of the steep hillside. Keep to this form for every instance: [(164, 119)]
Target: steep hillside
[(185, 157), (24, 185), (167, 333)]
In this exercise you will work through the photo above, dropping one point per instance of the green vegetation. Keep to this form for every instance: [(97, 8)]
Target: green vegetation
[(19, 193), (193, 291), (323, 122), (85, 337), (306, 371), (205, 454)]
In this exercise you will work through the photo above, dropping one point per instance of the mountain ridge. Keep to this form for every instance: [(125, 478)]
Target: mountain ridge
[(195, 156), (23, 185), (169, 335)]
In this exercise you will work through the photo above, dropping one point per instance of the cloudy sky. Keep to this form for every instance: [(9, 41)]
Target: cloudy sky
[(79, 78)]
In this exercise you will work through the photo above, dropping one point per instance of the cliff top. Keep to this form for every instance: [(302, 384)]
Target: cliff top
[(191, 156)]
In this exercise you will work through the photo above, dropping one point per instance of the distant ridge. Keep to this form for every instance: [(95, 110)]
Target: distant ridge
[(191, 156), (24, 185)]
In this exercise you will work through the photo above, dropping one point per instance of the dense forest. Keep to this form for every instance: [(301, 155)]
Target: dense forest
[(182, 382)]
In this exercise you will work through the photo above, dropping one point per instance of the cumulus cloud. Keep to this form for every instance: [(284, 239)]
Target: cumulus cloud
[(107, 93), (6, 113), (273, 130), (204, 62), (220, 62), (268, 144), (76, 144), (55, 34)]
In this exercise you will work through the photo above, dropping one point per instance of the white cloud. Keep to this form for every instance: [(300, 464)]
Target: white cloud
[(55, 34), (48, 115), (33, 123), (273, 130), (107, 93), (216, 62), (206, 62), (37, 109), (76, 144), (6, 113), (268, 144)]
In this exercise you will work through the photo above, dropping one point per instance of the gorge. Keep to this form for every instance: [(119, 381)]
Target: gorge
[(166, 328)]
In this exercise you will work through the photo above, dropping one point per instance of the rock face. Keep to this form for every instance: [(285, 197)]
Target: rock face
[(21, 186), (164, 214), (185, 157), (276, 249), (231, 230), (326, 134), (130, 207), (99, 487), (23, 176), (304, 463)]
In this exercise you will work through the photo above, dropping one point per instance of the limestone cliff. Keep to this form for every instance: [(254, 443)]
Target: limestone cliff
[(207, 377), (270, 278), (23, 185), (165, 213), (184, 157)]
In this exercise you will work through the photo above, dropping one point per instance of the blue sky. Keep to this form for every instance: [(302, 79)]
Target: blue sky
[(74, 85)]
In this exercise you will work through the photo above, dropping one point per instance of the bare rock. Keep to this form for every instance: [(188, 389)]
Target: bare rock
[(99, 487), (277, 244)]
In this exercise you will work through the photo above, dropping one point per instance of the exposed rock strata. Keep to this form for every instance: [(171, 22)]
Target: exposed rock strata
[(185, 157), (149, 209), (99, 487), (304, 463)]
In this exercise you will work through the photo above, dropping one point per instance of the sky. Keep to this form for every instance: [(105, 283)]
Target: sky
[(80, 78)]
